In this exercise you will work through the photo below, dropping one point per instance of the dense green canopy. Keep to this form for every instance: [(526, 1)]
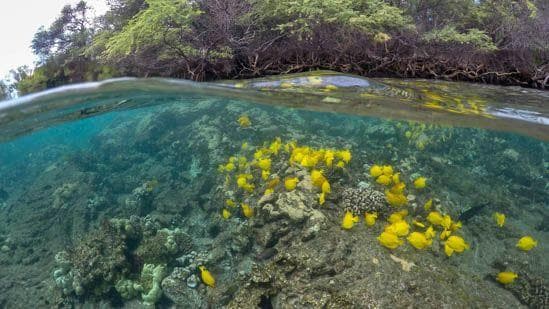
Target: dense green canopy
[(498, 41)]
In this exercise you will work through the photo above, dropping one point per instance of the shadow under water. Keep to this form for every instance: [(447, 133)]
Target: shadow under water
[(306, 191)]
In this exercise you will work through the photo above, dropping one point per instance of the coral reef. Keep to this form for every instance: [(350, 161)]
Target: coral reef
[(361, 200), (94, 265), (108, 259), (533, 291), (157, 167)]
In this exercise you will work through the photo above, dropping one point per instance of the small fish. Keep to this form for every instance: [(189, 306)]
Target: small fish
[(329, 158), (376, 171), (506, 277), (349, 220), (206, 276), (321, 198), (264, 164), (290, 183), (317, 178), (265, 174), (420, 182), (229, 167), (399, 186), (384, 180), (435, 218), (225, 213), (267, 254), (151, 185), (326, 187), (399, 228), (247, 210), (527, 243), (370, 218), (387, 170), (471, 212), (389, 240), (397, 216), (419, 240), (430, 232), (445, 234), (428, 205), (455, 244), (244, 121), (499, 218), (344, 155)]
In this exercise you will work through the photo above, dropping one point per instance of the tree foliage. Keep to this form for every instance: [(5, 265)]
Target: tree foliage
[(162, 22), (497, 41), (302, 17), (449, 35)]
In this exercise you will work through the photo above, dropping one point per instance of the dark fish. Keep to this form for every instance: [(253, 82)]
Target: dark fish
[(471, 212), (267, 254)]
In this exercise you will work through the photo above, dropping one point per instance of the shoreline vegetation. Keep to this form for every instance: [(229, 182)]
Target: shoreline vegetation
[(503, 42)]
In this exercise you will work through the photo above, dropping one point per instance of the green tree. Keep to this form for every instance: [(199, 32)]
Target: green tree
[(120, 13), (370, 17), (161, 24), (69, 32)]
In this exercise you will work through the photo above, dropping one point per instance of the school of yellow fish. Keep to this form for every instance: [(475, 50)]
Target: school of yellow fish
[(247, 172)]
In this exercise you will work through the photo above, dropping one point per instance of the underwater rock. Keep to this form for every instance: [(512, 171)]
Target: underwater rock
[(62, 194), (183, 295), (164, 246), (140, 198), (291, 206), (361, 200), (128, 289), (192, 281), (100, 257), (189, 263), (108, 258), (532, 291), (151, 278)]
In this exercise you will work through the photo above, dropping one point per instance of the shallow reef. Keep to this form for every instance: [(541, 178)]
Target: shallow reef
[(259, 197)]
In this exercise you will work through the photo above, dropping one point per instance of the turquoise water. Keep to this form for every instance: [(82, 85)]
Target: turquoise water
[(112, 194)]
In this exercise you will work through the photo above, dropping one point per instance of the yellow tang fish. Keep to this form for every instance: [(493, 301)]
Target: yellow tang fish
[(419, 240), (455, 244), (349, 220), (370, 218), (247, 210), (376, 171), (506, 277), (206, 277), (244, 121), (389, 240), (500, 219), (527, 243), (290, 183), (420, 182)]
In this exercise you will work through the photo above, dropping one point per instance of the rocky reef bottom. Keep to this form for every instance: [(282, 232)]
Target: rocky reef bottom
[(257, 199)]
